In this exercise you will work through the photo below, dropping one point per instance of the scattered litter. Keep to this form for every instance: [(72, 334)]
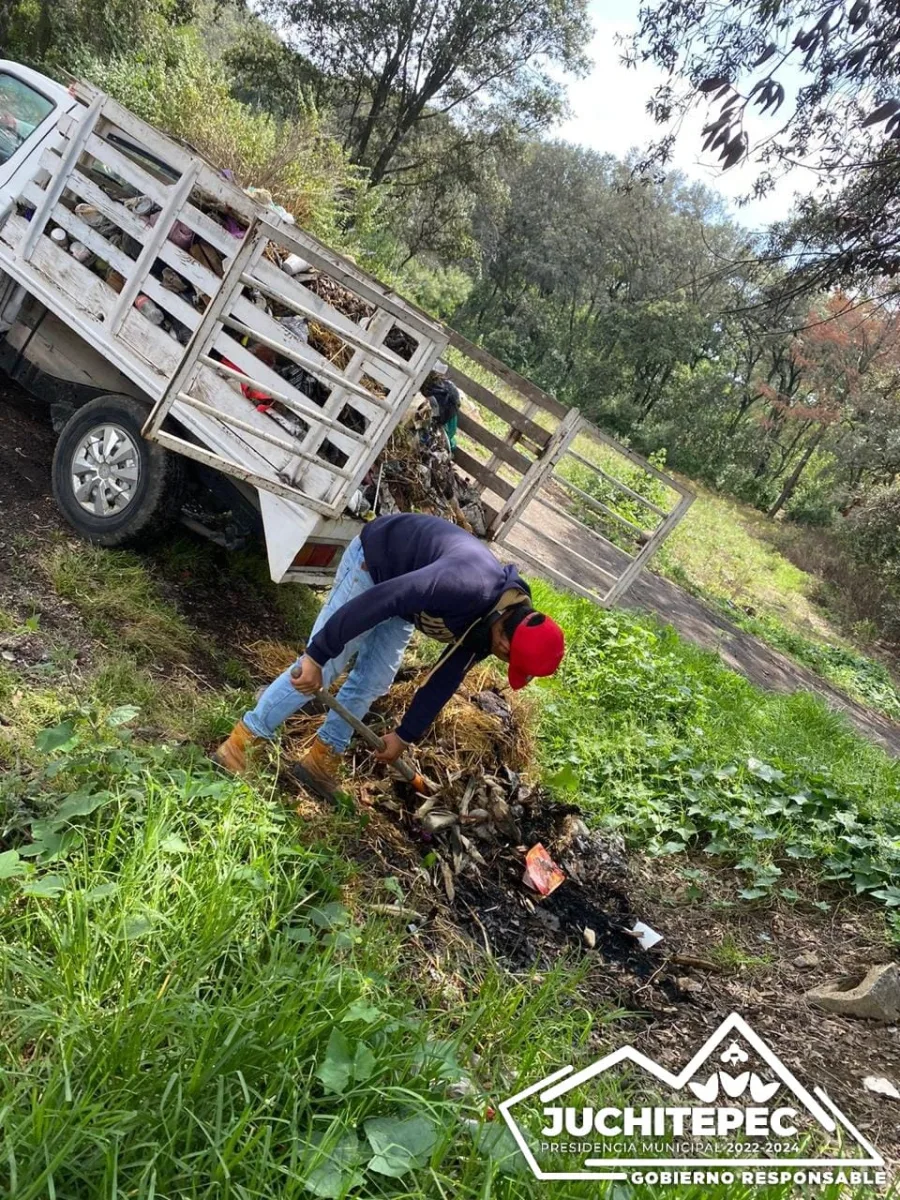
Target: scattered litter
[(294, 264), (590, 938), (884, 1087), (541, 872), (647, 937), (684, 983), (148, 309), (807, 959), (8, 656)]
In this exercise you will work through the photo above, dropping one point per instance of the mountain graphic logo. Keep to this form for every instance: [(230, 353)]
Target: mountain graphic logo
[(718, 1079)]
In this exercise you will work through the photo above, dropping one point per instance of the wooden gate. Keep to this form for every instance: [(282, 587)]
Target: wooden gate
[(561, 497)]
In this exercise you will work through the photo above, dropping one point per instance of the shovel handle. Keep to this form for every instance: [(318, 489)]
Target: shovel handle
[(400, 765)]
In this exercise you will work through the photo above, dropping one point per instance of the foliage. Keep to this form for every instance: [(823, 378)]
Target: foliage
[(175, 85), (874, 529), (859, 676), (439, 290), (628, 508), (60, 33), (834, 70), (394, 66), (191, 1002), (676, 752)]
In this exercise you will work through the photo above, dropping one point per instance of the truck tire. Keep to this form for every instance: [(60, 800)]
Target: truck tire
[(112, 486)]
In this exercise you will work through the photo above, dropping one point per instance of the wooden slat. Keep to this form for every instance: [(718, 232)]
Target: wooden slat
[(618, 484), (567, 550), (160, 352), (171, 302), (264, 379), (405, 314), (541, 568), (56, 186), (209, 230), (89, 237), (479, 433), (136, 176), (259, 320), (507, 374), (155, 237), (480, 472), (272, 281), (592, 502), (116, 119), (90, 193), (332, 375), (592, 432), (557, 508), (500, 408)]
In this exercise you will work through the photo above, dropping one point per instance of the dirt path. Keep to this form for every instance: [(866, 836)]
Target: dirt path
[(691, 617)]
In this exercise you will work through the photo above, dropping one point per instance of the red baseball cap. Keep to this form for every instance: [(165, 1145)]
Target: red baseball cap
[(536, 648)]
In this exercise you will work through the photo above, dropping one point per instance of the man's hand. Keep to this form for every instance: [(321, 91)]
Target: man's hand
[(394, 747), (307, 677)]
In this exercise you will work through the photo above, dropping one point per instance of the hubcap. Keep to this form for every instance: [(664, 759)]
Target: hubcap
[(105, 471)]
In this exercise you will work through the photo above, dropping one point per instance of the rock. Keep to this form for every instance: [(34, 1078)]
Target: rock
[(8, 656), (876, 996), (684, 983), (590, 938), (808, 958), (884, 1087)]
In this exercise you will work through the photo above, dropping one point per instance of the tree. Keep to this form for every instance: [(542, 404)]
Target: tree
[(398, 64), (831, 72), (839, 355)]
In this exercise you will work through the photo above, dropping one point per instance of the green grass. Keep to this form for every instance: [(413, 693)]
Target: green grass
[(119, 602), (191, 1009), (199, 1003), (721, 552), (659, 740)]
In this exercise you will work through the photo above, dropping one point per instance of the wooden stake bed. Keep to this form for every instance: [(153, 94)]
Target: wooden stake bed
[(230, 364)]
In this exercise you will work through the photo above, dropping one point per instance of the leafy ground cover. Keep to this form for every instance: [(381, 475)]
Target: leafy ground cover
[(663, 743), (760, 590), (201, 1000)]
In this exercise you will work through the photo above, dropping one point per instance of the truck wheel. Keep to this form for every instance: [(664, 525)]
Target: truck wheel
[(112, 486)]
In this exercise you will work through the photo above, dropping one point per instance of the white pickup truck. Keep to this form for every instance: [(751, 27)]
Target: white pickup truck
[(172, 319), (207, 361)]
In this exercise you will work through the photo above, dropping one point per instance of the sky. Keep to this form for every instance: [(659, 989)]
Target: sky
[(609, 116)]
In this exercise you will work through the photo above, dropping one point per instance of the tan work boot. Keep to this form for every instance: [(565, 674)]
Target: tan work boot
[(319, 770), (232, 754)]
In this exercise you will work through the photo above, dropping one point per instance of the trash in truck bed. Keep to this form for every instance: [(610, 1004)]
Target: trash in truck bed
[(282, 363)]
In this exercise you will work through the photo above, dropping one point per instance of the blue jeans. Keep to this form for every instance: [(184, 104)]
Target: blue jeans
[(379, 653)]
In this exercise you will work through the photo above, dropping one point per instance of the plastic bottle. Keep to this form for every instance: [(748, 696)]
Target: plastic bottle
[(60, 237), (79, 251), (294, 264), (148, 309)]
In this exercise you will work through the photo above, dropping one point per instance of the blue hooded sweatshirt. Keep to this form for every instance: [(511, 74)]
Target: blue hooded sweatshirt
[(442, 579)]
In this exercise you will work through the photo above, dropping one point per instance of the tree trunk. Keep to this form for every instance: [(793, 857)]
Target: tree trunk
[(794, 478)]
